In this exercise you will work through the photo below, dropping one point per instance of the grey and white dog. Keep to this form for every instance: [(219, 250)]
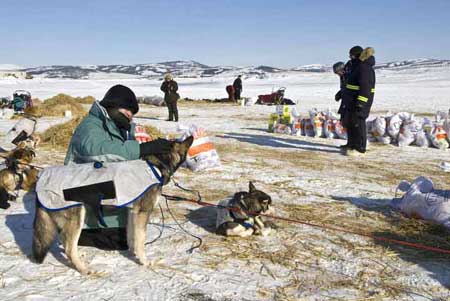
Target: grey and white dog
[(241, 215), (69, 222)]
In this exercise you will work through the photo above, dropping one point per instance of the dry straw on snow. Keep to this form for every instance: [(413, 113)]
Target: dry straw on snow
[(57, 105), (58, 136)]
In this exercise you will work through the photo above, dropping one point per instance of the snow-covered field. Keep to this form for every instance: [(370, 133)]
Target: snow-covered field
[(423, 90), (308, 180)]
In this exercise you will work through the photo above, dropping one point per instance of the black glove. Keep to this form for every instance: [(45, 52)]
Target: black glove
[(157, 146), (338, 96)]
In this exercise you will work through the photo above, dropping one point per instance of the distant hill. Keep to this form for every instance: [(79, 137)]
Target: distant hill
[(193, 69)]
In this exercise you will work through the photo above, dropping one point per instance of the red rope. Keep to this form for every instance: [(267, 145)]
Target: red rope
[(390, 240)]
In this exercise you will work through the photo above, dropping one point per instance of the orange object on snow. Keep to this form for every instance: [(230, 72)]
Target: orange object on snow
[(141, 134)]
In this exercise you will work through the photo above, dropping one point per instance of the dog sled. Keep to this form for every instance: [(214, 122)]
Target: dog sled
[(21, 101), (23, 130), (274, 98)]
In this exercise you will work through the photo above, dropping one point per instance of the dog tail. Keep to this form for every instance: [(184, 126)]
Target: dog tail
[(44, 231)]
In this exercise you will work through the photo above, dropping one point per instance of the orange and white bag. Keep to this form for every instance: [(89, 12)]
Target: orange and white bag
[(141, 135), (202, 154), (438, 137), (341, 131), (308, 127), (317, 120), (329, 128)]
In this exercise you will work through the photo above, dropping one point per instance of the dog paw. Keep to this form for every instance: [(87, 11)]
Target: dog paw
[(96, 274), (246, 233), (265, 231), (143, 261)]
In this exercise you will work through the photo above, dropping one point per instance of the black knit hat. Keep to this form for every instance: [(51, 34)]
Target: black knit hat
[(356, 51), (120, 97)]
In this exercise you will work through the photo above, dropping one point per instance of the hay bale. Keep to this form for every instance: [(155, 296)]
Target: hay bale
[(85, 100), (153, 132), (37, 101), (58, 136), (57, 105)]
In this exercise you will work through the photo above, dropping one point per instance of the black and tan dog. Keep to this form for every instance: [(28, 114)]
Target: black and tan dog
[(240, 216), (18, 174), (69, 222)]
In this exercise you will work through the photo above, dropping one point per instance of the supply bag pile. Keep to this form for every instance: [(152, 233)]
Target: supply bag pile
[(405, 129), (202, 154), (286, 120)]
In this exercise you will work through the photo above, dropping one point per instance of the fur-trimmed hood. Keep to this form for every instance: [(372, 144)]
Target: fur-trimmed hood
[(367, 52), (367, 56)]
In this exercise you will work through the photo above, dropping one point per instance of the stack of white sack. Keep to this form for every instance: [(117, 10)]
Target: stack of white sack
[(152, 100), (377, 130), (422, 201), (202, 154), (404, 129)]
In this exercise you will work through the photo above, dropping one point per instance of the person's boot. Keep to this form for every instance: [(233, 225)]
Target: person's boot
[(355, 153)]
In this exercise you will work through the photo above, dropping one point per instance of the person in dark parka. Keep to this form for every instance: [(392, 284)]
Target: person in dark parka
[(237, 85), (359, 94), (170, 88), (349, 68)]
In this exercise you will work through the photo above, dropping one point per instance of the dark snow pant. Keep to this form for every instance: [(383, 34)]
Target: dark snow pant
[(173, 110), (357, 133), (237, 94)]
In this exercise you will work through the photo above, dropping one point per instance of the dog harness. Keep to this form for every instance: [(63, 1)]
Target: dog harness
[(226, 215)]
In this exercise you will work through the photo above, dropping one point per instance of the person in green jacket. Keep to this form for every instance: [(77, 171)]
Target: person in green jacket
[(106, 134)]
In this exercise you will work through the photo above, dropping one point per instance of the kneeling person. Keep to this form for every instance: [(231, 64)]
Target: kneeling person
[(106, 134)]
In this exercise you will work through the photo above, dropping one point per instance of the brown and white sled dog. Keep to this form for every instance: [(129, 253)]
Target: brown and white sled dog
[(233, 218), (18, 174), (69, 222)]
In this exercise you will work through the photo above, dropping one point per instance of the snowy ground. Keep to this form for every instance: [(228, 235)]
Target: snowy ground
[(307, 178), (424, 90)]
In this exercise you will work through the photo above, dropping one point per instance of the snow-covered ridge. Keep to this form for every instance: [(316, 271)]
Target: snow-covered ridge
[(9, 67), (414, 64), (193, 69)]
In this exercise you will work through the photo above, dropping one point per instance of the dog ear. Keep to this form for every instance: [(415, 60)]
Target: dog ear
[(251, 187), (186, 144)]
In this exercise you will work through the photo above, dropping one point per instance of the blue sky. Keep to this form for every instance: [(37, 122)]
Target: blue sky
[(226, 32)]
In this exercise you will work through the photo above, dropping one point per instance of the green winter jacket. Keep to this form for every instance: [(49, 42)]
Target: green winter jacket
[(97, 138)]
